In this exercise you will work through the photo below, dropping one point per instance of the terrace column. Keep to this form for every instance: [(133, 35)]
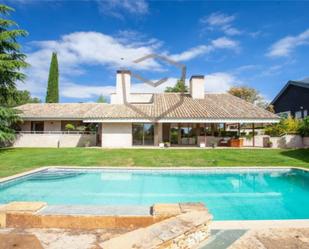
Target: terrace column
[(253, 135), (158, 132)]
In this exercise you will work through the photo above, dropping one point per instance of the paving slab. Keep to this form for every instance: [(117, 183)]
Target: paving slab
[(221, 239), (107, 210), (276, 238), (19, 241)]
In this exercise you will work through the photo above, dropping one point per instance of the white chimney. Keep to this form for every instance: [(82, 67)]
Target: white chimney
[(123, 87), (197, 86)]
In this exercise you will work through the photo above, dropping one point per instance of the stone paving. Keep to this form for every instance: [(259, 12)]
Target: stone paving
[(276, 238), (56, 238)]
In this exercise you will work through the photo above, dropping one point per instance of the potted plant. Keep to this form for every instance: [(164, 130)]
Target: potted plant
[(161, 145), (202, 144), (167, 144), (269, 144)]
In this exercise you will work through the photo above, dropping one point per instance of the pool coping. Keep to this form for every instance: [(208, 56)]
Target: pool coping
[(258, 224), (180, 168), (226, 224)]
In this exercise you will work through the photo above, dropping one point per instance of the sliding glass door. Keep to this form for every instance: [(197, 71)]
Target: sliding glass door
[(143, 134), (183, 134)]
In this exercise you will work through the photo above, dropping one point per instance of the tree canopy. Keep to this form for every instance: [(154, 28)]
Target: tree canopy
[(248, 94), (101, 99), (11, 58), (12, 61), (21, 97), (180, 86), (52, 95)]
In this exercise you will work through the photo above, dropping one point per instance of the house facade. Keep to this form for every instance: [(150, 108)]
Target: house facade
[(293, 100), (137, 119)]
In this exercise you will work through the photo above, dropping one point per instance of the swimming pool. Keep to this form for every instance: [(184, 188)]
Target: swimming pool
[(229, 194)]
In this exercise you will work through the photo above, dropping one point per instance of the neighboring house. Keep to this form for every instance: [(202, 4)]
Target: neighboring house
[(293, 100), (149, 119)]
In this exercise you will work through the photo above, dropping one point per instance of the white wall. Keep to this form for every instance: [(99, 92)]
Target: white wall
[(52, 140), (258, 141), (116, 135), (26, 126), (287, 141), (306, 141)]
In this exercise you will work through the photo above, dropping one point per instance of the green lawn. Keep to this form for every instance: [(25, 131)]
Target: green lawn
[(13, 161)]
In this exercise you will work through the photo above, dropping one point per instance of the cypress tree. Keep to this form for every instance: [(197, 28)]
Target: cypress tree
[(52, 95)]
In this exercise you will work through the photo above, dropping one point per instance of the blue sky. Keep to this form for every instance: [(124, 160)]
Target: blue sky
[(259, 44)]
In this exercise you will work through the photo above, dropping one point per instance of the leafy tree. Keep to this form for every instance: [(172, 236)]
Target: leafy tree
[(9, 117), (179, 87), (248, 94), (52, 95), (285, 126), (270, 108), (101, 99), (11, 63), (21, 97)]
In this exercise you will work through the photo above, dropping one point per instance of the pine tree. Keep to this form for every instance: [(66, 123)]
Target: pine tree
[(52, 95), (11, 59), (11, 62)]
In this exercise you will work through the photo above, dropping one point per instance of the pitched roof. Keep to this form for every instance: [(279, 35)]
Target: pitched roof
[(303, 83), (55, 110), (164, 106)]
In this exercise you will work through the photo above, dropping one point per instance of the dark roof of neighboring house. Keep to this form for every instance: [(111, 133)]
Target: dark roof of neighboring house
[(163, 106), (303, 83)]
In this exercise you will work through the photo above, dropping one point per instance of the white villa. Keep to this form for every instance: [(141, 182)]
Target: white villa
[(190, 119)]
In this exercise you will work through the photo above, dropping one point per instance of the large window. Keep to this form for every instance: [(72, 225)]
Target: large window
[(143, 134), (37, 126)]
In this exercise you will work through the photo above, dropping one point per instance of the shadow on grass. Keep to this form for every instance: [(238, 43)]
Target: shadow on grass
[(299, 154)]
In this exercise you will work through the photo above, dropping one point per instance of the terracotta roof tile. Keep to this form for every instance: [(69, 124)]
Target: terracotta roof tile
[(167, 106)]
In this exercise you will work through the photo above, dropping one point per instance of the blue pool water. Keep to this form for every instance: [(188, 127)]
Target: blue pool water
[(229, 194)]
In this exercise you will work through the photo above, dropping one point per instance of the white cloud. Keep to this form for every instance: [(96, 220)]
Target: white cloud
[(220, 43), (221, 21), (286, 45), (72, 90), (224, 42), (218, 19), (220, 82), (80, 49), (191, 53), (119, 8)]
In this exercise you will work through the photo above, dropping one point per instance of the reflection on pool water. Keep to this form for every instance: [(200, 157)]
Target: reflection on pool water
[(229, 194)]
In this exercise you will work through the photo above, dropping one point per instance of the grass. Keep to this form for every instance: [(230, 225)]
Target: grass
[(14, 161)]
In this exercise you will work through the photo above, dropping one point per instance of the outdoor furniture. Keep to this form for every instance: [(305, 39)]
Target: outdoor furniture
[(224, 141), (236, 142)]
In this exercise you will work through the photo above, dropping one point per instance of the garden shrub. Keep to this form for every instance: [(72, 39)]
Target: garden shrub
[(69, 127), (304, 127)]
